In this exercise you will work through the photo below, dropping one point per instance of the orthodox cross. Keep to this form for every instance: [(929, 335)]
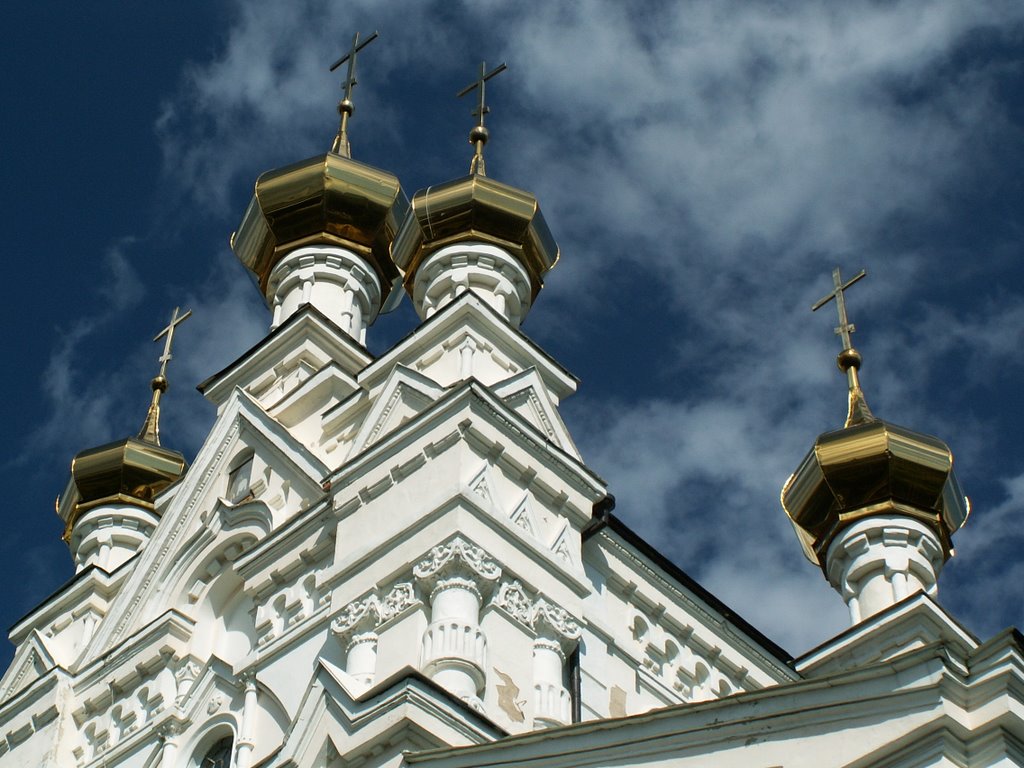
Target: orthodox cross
[(478, 136), (845, 326), (345, 106), (168, 335), (151, 427)]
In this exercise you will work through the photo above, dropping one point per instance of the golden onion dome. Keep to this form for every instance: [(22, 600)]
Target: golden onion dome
[(476, 208), (480, 209), (130, 471), (327, 199), (868, 469)]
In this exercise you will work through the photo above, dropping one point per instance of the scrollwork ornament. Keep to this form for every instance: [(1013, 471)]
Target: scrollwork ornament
[(457, 555), (513, 599), (548, 618), (401, 597), (360, 615)]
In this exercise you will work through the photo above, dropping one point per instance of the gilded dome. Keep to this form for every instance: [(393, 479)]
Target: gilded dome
[(480, 209), (327, 199), (873, 468), (129, 471)]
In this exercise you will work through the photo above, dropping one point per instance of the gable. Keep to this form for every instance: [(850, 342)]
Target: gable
[(403, 395), (526, 394), (286, 358), (468, 339), (31, 661), (287, 478)]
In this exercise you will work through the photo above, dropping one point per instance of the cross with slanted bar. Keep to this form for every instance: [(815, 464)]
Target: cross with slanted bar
[(845, 326), (345, 106), (168, 335), (350, 57), (478, 136), (481, 102)]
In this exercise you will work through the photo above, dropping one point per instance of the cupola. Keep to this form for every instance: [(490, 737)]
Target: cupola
[(477, 234), (319, 231), (108, 506), (875, 505)]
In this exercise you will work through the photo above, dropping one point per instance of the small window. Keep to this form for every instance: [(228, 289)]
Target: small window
[(219, 755), (239, 480)]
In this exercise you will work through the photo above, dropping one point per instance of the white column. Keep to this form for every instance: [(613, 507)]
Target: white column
[(338, 282), (454, 647), (356, 629), (878, 561), (169, 750), (490, 272), (247, 733), (557, 633)]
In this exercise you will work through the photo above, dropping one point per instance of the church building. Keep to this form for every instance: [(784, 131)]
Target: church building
[(403, 560)]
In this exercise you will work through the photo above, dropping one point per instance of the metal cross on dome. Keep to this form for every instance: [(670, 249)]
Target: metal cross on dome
[(345, 106), (168, 334), (478, 136), (845, 327)]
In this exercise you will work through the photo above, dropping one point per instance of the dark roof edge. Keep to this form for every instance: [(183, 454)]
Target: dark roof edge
[(302, 311), (603, 518)]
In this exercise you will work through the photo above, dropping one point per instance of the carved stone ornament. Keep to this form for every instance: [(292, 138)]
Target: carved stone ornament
[(457, 557), (359, 616), (548, 619), (371, 611), (215, 703), (401, 597), (513, 599)]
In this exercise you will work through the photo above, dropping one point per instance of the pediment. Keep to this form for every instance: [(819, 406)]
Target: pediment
[(31, 661), (405, 713), (327, 387), (468, 339), (285, 478), (286, 358), (403, 395), (913, 623), (526, 394)]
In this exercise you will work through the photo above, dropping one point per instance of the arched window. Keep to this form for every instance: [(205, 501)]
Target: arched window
[(219, 755)]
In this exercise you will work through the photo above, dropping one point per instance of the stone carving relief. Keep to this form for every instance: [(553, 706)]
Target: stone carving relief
[(104, 725), (358, 622)]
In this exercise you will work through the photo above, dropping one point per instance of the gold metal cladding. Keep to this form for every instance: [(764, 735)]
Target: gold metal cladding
[(872, 469), (130, 471), (480, 209), (326, 199)]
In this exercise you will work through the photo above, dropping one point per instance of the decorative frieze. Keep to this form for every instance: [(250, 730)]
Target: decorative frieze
[(678, 662), (289, 605), (104, 725)]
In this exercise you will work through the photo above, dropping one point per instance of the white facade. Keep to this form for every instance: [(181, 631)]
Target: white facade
[(404, 560)]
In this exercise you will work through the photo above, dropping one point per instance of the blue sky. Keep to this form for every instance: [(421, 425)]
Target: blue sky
[(703, 165)]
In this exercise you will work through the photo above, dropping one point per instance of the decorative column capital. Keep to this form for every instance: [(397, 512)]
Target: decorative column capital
[(554, 623), (457, 558), (357, 618)]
